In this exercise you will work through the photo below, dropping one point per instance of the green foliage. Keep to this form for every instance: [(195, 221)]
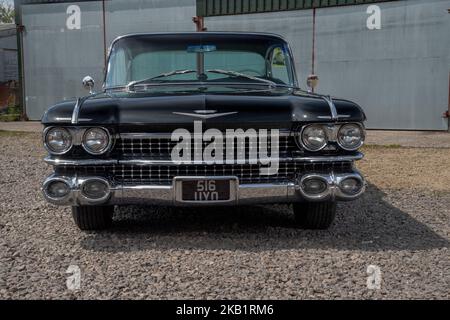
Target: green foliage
[(6, 12), (13, 111)]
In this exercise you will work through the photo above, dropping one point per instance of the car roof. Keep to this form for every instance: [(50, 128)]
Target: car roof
[(208, 35)]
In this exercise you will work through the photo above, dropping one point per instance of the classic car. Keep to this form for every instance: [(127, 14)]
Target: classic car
[(202, 119)]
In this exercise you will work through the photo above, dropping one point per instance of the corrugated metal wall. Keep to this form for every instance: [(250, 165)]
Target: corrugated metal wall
[(399, 74), (57, 58), (209, 8), (8, 53)]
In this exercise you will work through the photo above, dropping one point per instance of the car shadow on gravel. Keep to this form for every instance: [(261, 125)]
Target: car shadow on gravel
[(367, 224)]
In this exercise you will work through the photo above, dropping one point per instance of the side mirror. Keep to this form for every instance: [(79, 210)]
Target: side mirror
[(312, 81), (88, 84)]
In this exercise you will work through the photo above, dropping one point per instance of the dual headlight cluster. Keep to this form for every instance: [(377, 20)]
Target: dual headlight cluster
[(59, 141), (315, 137)]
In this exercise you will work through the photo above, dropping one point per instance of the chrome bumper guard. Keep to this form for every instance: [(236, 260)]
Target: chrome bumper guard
[(245, 194)]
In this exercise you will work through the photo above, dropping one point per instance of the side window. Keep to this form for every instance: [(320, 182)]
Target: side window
[(278, 65), (118, 69)]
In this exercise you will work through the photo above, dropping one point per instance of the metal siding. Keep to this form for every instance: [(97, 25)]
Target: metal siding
[(399, 74), (8, 57), (137, 16), (295, 26), (55, 58), (209, 8), (8, 42), (27, 2)]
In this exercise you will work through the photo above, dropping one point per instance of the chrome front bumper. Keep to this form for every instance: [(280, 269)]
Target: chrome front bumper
[(244, 193)]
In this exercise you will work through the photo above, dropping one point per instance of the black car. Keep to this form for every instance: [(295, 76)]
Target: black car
[(206, 118)]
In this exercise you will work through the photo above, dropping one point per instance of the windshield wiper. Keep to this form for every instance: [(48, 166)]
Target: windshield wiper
[(242, 75), (130, 86)]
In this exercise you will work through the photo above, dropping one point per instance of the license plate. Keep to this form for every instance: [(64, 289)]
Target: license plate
[(205, 190)]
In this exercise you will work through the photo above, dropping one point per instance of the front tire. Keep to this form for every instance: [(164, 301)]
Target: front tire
[(314, 215), (93, 217)]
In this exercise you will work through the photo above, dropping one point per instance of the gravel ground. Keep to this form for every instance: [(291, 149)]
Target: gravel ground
[(401, 226)]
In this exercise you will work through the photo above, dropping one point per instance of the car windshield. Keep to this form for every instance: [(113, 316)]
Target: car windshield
[(183, 59)]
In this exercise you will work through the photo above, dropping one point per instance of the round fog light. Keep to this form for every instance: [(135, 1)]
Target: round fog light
[(57, 189), (350, 186), (314, 186), (95, 189)]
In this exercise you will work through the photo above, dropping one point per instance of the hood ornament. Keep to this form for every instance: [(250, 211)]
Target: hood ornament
[(205, 114)]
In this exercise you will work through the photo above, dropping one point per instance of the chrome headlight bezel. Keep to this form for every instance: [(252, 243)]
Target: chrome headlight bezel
[(301, 138), (86, 196), (48, 147), (51, 180), (104, 149), (361, 138)]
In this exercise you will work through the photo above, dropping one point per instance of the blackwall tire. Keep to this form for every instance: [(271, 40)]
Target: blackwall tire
[(314, 215), (93, 217)]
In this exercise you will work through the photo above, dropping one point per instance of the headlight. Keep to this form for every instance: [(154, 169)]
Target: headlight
[(58, 140), (96, 141), (57, 189), (314, 137), (351, 186), (350, 136)]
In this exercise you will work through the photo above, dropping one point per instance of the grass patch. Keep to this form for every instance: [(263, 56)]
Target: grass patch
[(4, 133), (10, 117), (380, 146)]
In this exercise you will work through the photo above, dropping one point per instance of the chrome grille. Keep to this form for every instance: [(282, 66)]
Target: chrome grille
[(160, 148), (164, 174)]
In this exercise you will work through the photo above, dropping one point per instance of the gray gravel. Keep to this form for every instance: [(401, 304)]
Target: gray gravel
[(222, 253)]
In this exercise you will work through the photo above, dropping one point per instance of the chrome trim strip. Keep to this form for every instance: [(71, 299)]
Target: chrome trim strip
[(266, 193), (205, 116), (80, 162), (76, 111), (87, 162), (317, 159), (80, 101), (168, 135), (329, 100)]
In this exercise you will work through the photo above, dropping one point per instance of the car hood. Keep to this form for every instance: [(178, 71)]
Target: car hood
[(268, 109)]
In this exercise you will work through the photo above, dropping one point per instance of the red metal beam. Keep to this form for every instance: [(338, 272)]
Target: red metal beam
[(200, 23)]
